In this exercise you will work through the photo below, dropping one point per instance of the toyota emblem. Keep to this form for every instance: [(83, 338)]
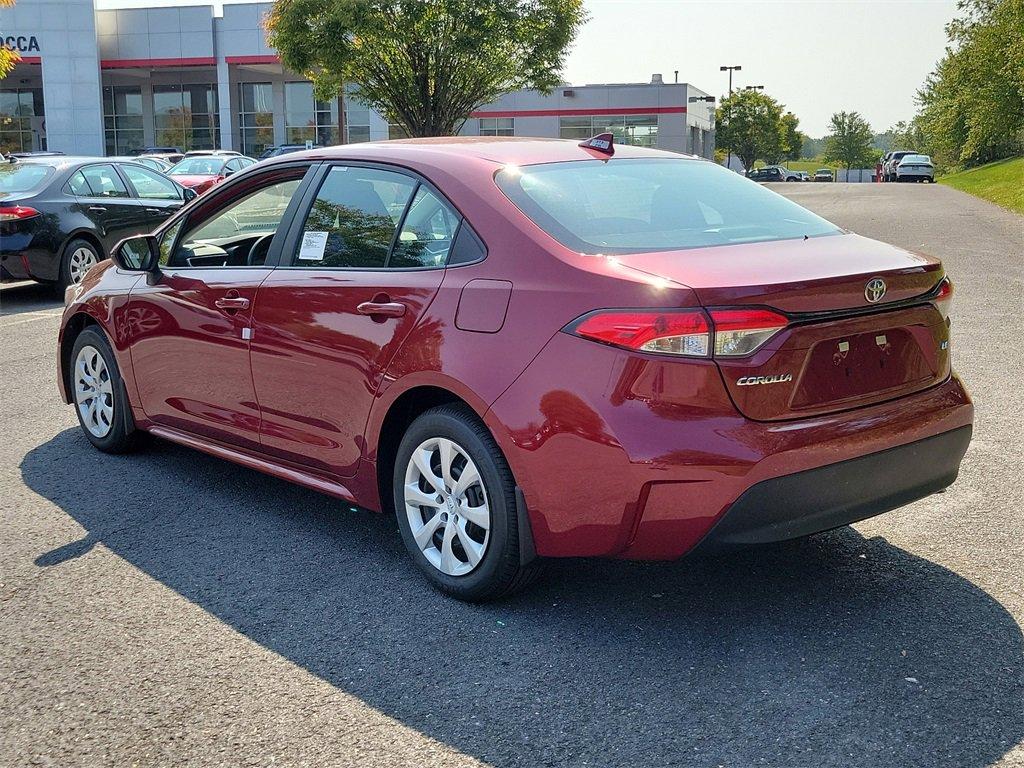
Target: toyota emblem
[(874, 290)]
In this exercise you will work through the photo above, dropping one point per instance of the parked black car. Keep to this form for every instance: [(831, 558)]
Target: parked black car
[(60, 215)]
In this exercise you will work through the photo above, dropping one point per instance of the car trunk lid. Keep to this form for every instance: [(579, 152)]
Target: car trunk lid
[(861, 328)]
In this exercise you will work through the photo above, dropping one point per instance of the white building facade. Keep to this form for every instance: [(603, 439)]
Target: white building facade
[(109, 82)]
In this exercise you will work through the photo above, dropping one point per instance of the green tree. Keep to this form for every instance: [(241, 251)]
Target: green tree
[(972, 105), (850, 142), (749, 123), (8, 56), (425, 64), (792, 139)]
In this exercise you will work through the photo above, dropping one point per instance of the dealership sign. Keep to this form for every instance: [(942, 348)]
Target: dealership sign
[(20, 43)]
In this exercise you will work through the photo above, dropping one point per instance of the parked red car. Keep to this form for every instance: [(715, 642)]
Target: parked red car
[(201, 172), (529, 349)]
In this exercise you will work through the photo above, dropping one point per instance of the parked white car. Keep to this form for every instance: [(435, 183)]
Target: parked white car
[(915, 168), (891, 160)]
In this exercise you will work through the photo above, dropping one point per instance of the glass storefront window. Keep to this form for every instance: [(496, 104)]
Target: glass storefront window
[(497, 126), (122, 119), (308, 119), (256, 118), (357, 121), (641, 130), (185, 116), (17, 108)]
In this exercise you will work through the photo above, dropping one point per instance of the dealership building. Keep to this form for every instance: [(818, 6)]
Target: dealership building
[(107, 82)]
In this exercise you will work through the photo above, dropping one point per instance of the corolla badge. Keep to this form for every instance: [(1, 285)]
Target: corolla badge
[(874, 290), (749, 381)]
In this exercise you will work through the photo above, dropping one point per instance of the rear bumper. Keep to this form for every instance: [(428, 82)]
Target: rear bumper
[(838, 494)]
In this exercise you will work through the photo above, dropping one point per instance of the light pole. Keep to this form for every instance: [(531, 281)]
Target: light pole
[(730, 70)]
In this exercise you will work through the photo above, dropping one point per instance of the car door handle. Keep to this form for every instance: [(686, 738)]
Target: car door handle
[(98, 208), (231, 303), (381, 309), (157, 210)]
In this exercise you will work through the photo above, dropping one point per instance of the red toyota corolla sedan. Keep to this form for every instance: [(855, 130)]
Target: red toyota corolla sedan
[(529, 349)]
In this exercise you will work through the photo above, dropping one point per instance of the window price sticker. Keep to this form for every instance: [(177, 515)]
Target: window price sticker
[(313, 246)]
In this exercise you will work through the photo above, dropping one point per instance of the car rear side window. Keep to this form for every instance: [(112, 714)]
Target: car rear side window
[(353, 219), (653, 204), (428, 231), (77, 185), (103, 181)]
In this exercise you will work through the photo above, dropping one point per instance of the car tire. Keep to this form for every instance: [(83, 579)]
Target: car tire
[(78, 257), (98, 394), (472, 556)]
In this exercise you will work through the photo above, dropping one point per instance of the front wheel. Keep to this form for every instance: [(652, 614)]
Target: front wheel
[(456, 506), (99, 395)]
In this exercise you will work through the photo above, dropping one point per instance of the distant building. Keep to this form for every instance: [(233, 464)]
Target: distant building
[(113, 81)]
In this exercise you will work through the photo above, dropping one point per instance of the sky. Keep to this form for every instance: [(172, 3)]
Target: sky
[(817, 57)]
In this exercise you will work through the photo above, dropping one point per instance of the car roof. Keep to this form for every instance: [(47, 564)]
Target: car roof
[(66, 161), (496, 150)]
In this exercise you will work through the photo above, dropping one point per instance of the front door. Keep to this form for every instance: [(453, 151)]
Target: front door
[(189, 333), (159, 197), (356, 275)]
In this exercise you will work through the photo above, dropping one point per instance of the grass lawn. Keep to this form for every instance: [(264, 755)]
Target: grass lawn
[(1001, 182)]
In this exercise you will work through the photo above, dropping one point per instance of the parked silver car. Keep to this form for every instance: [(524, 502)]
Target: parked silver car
[(915, 168)]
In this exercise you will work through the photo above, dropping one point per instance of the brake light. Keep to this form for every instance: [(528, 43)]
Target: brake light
[(684, 332), (740, 332), (944, 298), (668, 332), (17, 212)]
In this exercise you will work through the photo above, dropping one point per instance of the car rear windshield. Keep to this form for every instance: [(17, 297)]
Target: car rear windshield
[(199, 166), (916, 159), (653, 204), (23, 177)]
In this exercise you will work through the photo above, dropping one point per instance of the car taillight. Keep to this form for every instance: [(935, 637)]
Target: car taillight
[(16, 212), (667, 332), (944, 298), (731, 332), (740, 332)]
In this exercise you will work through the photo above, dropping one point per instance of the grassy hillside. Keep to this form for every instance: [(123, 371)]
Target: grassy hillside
[(1001, 182)]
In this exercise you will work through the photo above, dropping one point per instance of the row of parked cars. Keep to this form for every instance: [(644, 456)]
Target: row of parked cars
[(781, 173), (907, 165), (60, 215)]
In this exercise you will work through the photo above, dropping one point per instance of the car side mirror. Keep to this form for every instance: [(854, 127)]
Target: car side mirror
[(140, 253), (188, 194), (228, 172)]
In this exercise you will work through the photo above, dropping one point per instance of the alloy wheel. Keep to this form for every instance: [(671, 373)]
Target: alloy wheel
[(82, 260), (94, 392), (446, 503)]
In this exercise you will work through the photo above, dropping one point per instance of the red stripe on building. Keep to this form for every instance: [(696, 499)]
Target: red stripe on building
[(29, 60), (581, 112), (272, 59), (200, 61)]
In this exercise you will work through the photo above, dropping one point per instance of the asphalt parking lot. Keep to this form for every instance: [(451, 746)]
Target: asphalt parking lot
[(169, 608)]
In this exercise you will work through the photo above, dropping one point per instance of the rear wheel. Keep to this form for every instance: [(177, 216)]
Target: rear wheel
[(456, 506), (79, 257), (98, 394)]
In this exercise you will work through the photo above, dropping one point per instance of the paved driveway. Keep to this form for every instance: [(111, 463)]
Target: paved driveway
[(171, 609)]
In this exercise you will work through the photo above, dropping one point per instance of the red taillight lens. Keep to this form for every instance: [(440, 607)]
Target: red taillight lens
[(16, 212), (740, 332), (668, 332), (944, 299), (732, 332)]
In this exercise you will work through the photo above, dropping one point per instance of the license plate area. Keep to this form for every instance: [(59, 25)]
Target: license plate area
[(850, 367)]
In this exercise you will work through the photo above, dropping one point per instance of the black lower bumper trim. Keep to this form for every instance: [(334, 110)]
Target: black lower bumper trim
[(820, 499)]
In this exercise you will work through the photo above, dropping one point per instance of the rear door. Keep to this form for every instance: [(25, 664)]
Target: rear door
[(358, 271), (159, 196), (104, 199)]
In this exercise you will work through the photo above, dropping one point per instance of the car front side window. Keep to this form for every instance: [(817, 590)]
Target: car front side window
[(237, 235)]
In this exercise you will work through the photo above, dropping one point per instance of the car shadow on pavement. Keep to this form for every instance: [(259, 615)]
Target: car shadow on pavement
[(839, 650), (16, 298)]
